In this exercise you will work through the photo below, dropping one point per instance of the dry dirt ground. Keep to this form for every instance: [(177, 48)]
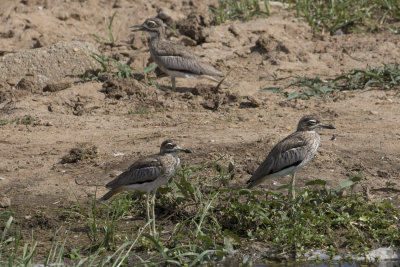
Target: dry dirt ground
[(238, 121)]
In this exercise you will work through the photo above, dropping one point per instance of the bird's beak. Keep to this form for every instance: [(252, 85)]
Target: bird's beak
[(327, 126), (136, 28), (183, 150)]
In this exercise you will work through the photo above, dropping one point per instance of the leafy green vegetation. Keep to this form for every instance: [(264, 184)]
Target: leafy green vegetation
[(109, 67), (386, 77), (202, 220), (140, 111), (25, 120), (338, 16), (238, 10), (348, 15), (108, 25)]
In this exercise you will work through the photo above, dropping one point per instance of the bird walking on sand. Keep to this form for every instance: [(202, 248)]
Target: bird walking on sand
[(291, 153), (148, 174), (173, 59)]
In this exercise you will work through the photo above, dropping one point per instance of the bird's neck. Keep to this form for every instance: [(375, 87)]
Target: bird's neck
[(157, 36), (173, 154)]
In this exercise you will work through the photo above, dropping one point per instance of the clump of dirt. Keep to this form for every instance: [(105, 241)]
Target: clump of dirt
[(117, 88), (273, 48), (193, 26), (7, 92), (83, 152), (215, 97), (54, 87), (29, 83), (39, 220), (250, 102)]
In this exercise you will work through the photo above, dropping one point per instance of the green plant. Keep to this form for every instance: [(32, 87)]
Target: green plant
[(139, 111), (109, 66), (386, 77), (110, 36), (347, 15), (238, 10)]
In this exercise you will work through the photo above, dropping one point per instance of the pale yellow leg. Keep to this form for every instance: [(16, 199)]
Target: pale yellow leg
[(292, 187), (153, 203), (148, 208)]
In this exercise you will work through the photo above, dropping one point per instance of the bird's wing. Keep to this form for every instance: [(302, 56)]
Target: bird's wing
[(142, 171), (291, 151), (179, 58)]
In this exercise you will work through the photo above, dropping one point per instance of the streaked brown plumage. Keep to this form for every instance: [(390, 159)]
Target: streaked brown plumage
[(174, 59), (291, 153), (148, 173)]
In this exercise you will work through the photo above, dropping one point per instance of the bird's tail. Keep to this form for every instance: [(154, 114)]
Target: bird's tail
[(111, 193)]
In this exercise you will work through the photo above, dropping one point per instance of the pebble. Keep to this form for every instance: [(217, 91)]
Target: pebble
[(376, 255), (5, 202)]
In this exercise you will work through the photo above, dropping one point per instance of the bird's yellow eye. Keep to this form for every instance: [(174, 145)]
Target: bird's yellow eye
[(151, 24)]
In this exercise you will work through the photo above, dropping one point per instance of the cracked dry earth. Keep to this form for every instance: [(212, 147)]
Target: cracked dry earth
[(238, 121)]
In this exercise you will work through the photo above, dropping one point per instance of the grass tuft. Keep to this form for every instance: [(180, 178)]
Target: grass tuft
[(238, 10), (346, 16), (109, 67), (386, 77)]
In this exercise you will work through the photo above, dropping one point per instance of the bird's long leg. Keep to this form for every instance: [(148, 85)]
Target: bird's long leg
[(292, 191), (148, 207), (173, 83), (153, 203)]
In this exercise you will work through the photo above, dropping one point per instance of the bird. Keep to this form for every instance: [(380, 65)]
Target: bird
[(291, 153), (148, 174), (173, 59)]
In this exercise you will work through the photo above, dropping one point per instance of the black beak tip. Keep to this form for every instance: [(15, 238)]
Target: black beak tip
[(187, 151), (330, 126)]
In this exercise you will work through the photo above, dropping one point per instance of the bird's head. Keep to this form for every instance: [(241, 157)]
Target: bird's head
[(312, 123), (172, 147), (154, 26)]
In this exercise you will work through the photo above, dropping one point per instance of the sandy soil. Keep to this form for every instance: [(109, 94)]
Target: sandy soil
[(237, 121)]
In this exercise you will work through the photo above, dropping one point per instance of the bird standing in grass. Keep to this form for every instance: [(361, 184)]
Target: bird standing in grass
[(174, 59), (148, 174), (291, 153)]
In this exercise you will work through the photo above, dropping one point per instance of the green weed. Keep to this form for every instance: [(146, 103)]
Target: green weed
[(238, 10), (109, 67), (348, 15), (386, 77), (25, 120), (108, 25), (139, 111)]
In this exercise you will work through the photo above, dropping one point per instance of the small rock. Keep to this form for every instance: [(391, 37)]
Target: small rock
[(54, 87), (382, 174), (28, 217), (373, 112), (234, 30), (5, 202), (383, 254)]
